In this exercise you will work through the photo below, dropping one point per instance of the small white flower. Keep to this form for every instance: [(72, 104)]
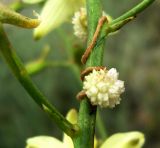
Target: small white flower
[(79, 22), (103, 87)]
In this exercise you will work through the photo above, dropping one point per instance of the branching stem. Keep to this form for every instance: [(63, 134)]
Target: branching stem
[(129, 15)]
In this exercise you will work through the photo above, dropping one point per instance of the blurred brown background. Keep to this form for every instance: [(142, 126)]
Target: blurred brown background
[(134, 51)]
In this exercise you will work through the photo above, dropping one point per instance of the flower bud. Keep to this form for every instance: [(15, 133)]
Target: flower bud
[(54, 13)]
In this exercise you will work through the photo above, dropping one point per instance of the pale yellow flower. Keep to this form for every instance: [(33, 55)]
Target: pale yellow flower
[(50, 142), (132, 139), (44, 142), (120, 140), (54, 13)]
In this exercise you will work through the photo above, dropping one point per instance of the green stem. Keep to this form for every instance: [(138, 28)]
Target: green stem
[(100, 126), (21, 74), (133, 12), (87, 112), (125, 18), (37, 66)]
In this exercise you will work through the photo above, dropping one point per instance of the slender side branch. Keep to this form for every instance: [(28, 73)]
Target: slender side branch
[(133, 12), (21, 74), (118, 23), (37, 66)]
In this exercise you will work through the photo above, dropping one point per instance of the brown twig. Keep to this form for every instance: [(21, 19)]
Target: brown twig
[(86, 54)]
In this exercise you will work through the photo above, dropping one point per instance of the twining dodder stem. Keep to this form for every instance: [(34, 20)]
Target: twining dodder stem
[(88, 51)]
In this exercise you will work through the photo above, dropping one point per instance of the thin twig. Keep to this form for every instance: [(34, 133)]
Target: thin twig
[(133, 12)]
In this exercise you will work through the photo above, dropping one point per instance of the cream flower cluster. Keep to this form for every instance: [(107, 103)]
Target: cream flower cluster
[(103, 87), (79, 22)]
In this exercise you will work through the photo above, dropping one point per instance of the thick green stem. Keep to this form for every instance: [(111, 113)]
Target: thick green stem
[(21, 74), (87, 112)]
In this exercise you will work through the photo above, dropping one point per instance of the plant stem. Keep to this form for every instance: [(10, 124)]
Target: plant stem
[(133, 12), (87, 112), (100, 126), (122, 20), (37, 66), (21, 74)]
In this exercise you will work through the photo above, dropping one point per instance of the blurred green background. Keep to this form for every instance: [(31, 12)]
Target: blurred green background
[(134, 51)]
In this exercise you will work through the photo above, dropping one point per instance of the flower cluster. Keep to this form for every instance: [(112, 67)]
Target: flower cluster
[(103, 87), (79, 22)]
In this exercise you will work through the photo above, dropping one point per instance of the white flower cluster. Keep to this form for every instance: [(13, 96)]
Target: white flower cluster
[(103, 87), (79, 22)]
